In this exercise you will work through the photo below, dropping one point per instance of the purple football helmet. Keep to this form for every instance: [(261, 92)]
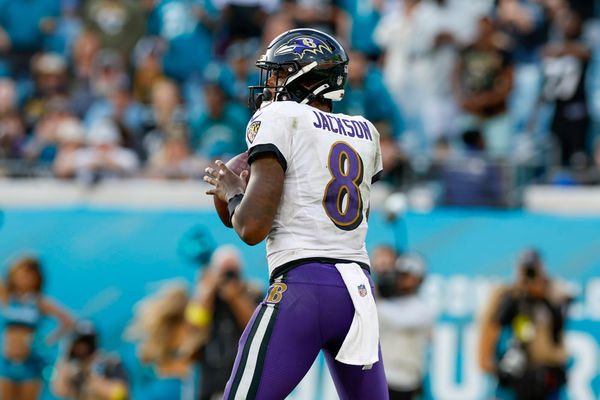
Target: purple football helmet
[(314, 64)]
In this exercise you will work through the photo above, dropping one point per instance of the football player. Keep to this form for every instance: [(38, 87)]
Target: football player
[(308, 195)]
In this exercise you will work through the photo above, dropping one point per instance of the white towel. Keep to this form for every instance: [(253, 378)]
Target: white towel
[(361, 345)]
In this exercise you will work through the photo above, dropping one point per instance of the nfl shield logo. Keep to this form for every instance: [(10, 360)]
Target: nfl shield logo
[(362, 290)]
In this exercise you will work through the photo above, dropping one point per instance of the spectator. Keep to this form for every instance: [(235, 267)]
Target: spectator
[(105, 158), (525, 23), (405, 323), (531, 363), (243, 20), (482, 82), (8, 96), (393, 158), (240, 65), (166, 115), (394, 35), (441, 28), (23, 307), (219, 131), (184, 25), (24, 27), (84, 372), (42, 146), (148, 55), (85, 49), (565, 71), (129, 115), (118, 23), (173, 159), (51, 80), (365, 94), (595, 172), (108, 73), (12, 127), (383, 261), (220, 310), (68, 28), (275, 26), (164, 341), (71, 137), (323, 15), (584, 8), (84, 52), (418, 42), (362, 18), (12, 137)]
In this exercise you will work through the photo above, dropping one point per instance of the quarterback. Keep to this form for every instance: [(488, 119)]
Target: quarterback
[(308, 194)]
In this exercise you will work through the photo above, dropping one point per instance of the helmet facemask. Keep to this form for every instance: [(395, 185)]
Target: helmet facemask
[(272, 84)]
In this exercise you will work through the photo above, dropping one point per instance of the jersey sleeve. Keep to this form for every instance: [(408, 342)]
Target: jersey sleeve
[(269, 131), (378, 167)]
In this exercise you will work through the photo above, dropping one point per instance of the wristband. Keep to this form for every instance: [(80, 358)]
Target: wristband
[(118, 393), (197, 315), (232, 204)]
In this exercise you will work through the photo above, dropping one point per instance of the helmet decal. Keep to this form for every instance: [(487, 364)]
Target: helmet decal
[(302, 44)]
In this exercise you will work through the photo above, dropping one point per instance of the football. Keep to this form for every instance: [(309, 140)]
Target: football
[(237, 164)]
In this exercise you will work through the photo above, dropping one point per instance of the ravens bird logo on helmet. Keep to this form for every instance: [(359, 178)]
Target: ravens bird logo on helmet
[(301, 45)]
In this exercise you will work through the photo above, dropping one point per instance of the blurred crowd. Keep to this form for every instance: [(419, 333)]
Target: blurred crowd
[(459, 89), (189, 338), (176, 332)]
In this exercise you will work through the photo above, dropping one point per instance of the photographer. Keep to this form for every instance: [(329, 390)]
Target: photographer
[(220, 310), (405, 322), (85, 373), (531, 314)]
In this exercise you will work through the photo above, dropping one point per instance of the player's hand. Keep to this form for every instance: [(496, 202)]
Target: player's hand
[(226, 183)]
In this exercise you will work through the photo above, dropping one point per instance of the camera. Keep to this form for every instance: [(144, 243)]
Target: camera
[(231, 275), (410, 266), (529, 262), (387, 284), (82, 347), (530, 270), (84, 342)]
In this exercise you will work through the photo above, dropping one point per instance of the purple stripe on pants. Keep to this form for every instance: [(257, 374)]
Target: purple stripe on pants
[(310, 310)]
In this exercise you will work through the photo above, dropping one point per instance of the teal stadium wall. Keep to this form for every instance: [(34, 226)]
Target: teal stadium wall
[(100, 262)]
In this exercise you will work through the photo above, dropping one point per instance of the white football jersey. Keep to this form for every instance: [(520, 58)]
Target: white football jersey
[(330, 161)]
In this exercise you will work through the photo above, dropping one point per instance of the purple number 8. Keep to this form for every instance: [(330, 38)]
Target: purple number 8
[(346, 169)]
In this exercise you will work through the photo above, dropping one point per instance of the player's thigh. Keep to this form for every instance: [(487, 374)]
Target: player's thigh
[(29, 390), (352, 382), (277, 348)]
